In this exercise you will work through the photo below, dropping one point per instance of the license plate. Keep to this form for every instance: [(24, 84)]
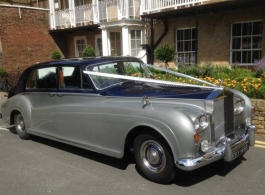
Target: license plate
[(239, 152)]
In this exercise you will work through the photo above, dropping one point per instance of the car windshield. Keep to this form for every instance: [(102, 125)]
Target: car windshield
[(126, 68)]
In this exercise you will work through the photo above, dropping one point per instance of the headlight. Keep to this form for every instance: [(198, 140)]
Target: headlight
[(239, 106), (205, 145), (201, 122), (248, 122)]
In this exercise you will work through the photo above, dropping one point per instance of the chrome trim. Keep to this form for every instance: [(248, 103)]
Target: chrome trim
[(224, 151)]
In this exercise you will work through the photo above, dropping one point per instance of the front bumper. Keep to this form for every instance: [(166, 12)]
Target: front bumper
[(226, 151)]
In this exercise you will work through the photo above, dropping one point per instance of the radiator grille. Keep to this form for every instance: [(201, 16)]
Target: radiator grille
[(224, 117), (229, 116)]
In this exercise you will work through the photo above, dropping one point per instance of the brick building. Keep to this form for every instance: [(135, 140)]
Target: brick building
[(110, 27), (223, 32), (24, 34)]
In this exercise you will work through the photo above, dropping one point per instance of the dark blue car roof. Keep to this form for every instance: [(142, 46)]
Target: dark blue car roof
[(84, 62)]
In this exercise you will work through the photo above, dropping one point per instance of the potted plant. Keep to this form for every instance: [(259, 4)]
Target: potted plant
[(3, 74), (89, 51), (56, 55), (165, 53)]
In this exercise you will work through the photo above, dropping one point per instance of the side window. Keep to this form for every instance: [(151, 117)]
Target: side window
[(72, 78), (44, 78), (135, 69)]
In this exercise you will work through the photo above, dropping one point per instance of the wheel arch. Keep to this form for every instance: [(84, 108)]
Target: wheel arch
[(144, 129), (12, 108)]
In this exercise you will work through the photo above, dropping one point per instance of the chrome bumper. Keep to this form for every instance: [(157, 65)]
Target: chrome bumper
[(223, 152)]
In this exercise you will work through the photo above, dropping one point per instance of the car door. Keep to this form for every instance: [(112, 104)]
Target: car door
[(41, 89), (74, 109)]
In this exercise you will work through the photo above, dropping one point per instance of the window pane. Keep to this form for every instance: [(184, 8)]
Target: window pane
[(31, 83), (257, 42), (179, 34), (133, 45), (187, 46), (194, 33), (46, 78), (257, 28), (132, 34), (138, 34), (193, 46), (236, 29), (138, 43), (187, 35), (180, 46), (246, 57), (133, 52), (256, 56), (236, 58), (247, 28), (246, 43), (236, 43)]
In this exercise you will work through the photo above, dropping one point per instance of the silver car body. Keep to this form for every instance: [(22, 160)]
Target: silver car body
[(107, 123)]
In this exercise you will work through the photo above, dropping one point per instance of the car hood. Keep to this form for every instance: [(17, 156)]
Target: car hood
[(140, 89)]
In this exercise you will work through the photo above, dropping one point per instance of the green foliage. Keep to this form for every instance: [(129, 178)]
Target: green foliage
[(165, 53), (89, 51), (2, 71), (237, 78), (56, 55)]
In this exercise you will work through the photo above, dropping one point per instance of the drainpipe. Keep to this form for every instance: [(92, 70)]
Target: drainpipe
[(152, 44), (151, 58), (196, 52)]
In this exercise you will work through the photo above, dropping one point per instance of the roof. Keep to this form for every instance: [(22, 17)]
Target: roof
[(84, 62)]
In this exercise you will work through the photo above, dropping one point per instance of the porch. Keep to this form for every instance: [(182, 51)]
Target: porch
[(70, 14)]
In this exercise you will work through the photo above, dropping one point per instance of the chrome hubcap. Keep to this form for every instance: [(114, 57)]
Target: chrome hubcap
[(20, 123), (153, 156)]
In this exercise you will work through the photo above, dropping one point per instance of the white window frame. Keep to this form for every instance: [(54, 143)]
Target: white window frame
[(243, 49), (98, 36), (141, 39), (76, 38), (186, 52), (115, 39)]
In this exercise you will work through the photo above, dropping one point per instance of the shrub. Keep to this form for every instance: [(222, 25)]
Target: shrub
[(165, 53), (88, 51), (237, 78), (2, 71), (56, 55)]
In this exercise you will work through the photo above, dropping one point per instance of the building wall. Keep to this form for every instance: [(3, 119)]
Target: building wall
[(213, 32), (90, 36), (25, 37)]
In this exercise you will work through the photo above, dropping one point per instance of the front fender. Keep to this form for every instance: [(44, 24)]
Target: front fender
[(175, 125)]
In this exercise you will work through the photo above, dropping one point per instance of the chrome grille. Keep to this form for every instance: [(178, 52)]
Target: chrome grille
[(224, 117), (229, 116)]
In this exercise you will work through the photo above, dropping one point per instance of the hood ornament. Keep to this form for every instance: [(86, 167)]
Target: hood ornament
[(220, 82), (145, 102)]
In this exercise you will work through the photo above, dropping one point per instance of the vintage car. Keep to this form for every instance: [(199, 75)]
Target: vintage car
[(113, 104)]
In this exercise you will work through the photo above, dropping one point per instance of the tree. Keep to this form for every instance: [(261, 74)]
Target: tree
[(56, 55), (89, 51), (165, 53)]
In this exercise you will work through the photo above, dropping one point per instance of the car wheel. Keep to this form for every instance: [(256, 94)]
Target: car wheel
[(20, 126), (153, 159)]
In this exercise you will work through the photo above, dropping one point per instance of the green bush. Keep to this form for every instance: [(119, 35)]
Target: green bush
[(165, 53), (89, 51), (2, 71), (237, 78), (56, 55)]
